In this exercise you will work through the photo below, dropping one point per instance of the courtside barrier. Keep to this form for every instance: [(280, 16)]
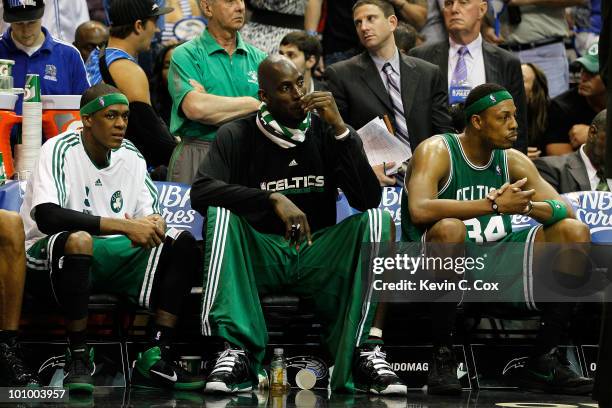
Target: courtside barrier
[(594, 208)]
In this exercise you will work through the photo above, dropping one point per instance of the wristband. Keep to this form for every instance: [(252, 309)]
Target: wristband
[(312, 33), (559, 212)]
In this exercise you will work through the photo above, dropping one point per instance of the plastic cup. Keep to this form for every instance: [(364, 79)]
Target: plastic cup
[(6, 67), (6, 83)]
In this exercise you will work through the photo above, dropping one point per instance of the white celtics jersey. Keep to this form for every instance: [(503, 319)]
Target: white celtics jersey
[(66, 176)]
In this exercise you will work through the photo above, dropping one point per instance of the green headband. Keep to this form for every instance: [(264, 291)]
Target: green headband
[(104, 101), (486, 102)]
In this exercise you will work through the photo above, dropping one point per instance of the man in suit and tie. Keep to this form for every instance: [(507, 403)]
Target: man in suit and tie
[(582, 170), (381, 81), (467, 61)]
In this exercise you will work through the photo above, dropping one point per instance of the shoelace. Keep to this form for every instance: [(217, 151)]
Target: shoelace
[(379, 362), (227, 360)]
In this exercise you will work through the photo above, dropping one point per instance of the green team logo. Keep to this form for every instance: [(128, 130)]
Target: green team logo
[(116, 202)]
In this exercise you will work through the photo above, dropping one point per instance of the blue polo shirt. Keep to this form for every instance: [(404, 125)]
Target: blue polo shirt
[(58, 64)]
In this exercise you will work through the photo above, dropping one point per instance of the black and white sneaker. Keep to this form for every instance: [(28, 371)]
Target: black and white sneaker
[(442, 377), (79, 367), (13, 370), (231, 373), (373, 374), (155, 368)]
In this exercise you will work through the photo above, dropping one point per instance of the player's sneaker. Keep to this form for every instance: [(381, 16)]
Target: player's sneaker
[(231, 372), (155, 368), (79, 367), (373, 374), (13, 370), (552, 373), (442, 377)]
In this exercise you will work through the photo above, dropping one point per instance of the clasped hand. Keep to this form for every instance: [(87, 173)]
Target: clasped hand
[(511, 198)]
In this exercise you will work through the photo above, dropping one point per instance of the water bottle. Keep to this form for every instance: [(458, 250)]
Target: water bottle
[(278, 372)]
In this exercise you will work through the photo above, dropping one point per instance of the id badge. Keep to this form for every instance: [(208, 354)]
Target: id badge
[(458, 94)]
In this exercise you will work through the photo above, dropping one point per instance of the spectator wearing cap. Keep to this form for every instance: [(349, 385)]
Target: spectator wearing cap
[(133, 26), (61, 17), (571, 112), (212, 80), (36, 51)]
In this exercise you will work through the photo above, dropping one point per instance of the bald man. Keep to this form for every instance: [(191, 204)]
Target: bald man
[(89, 36), (268, 188)]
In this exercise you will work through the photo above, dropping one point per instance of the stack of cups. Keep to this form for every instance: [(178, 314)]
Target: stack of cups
[(6, 75), (28, 151)]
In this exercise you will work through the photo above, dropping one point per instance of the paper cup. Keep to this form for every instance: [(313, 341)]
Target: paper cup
[(32, 88), (305, 379)]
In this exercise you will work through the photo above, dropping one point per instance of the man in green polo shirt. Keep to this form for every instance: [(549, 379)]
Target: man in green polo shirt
[(212, 80)]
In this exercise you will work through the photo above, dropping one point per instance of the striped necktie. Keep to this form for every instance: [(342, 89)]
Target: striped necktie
[(460, 72), (401, 130), (603, 183)]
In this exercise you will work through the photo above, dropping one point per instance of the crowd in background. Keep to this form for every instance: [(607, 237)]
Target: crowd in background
[(546, 40)]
